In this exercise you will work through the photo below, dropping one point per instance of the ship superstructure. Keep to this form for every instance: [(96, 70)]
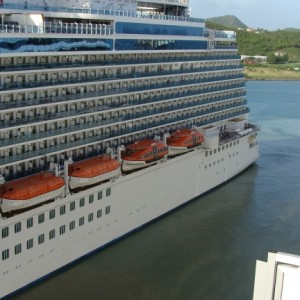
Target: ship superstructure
[(87, 78)]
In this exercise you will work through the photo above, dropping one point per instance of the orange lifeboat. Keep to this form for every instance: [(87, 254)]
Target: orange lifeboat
[(29, 191), (93, 170), (183, 140), (143, 153)]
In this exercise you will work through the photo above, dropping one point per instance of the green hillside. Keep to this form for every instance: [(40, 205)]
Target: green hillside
[(265, 42), (268, 42), (228, 20)]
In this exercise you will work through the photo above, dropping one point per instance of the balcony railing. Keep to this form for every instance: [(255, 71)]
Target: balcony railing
[(24, 85), (43, 8), (48, 151), (112, 121), (59, 28), (113, 62)]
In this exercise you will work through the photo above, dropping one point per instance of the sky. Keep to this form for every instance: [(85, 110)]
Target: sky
[(266, 14)]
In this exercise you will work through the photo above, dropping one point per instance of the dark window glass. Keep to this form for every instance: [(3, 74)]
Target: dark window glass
[(81, 202), (9, 45), (29, 222), (41, 218), (107, 210), (29, 243), (62, 210), (41, 239), (5, 232), (159, 44), (18, 227), (91, 217), (72, 206), (18, 249), (52, 214), (62, 229), (5, 254), (133, 28), (52, 234), (99, 213)]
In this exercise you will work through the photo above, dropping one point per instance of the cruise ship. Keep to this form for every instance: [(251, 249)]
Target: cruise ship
[(112, 114)]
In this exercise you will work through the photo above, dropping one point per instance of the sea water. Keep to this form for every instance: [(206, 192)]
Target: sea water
[(207, 249)]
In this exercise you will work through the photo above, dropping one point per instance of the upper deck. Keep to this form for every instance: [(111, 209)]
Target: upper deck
[(159, 9)]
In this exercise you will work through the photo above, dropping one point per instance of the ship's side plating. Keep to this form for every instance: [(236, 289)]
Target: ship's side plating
[(78, 80), (103, 214)]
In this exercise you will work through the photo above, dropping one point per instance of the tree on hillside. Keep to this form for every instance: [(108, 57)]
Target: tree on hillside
[(277, 59)]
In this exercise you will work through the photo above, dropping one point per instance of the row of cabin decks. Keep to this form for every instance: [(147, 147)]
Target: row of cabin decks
[(188, 118), (118, 128), (92, 105), (26, 116), (60, 75), (55, 127), (40, 95), (66, 109), (34, 62), (23, 79)]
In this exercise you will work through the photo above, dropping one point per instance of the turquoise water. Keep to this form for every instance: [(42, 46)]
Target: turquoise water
[(207, 249)]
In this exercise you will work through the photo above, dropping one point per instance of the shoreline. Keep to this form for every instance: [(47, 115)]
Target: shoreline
[(270, 73)]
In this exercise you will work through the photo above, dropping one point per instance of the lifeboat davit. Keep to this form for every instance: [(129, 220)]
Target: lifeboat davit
[(182, 140), (29, 191), (93, 170), (143, 153)]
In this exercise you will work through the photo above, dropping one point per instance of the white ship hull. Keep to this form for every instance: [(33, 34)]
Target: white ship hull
[(127, 204)]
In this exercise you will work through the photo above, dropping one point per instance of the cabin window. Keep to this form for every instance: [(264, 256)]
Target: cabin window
[(5, 254), (62, 229), (41, 239), (230, 144), (107, 210), (108, 192), (219, 149), (227, 146), (18, 249), (72, 206), (215, 151), (72, 225), (51, 234), (237, 141), (223, 147), (206, 153), (99, 213), (5, 232), (91, 217), (100, 195), (81, 202), (91, 199), (234, 143), (18, 227), (210, 152), (29, 222), (62, 210), (52, 214), (81, 221), (41, 218), (30, 244)]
